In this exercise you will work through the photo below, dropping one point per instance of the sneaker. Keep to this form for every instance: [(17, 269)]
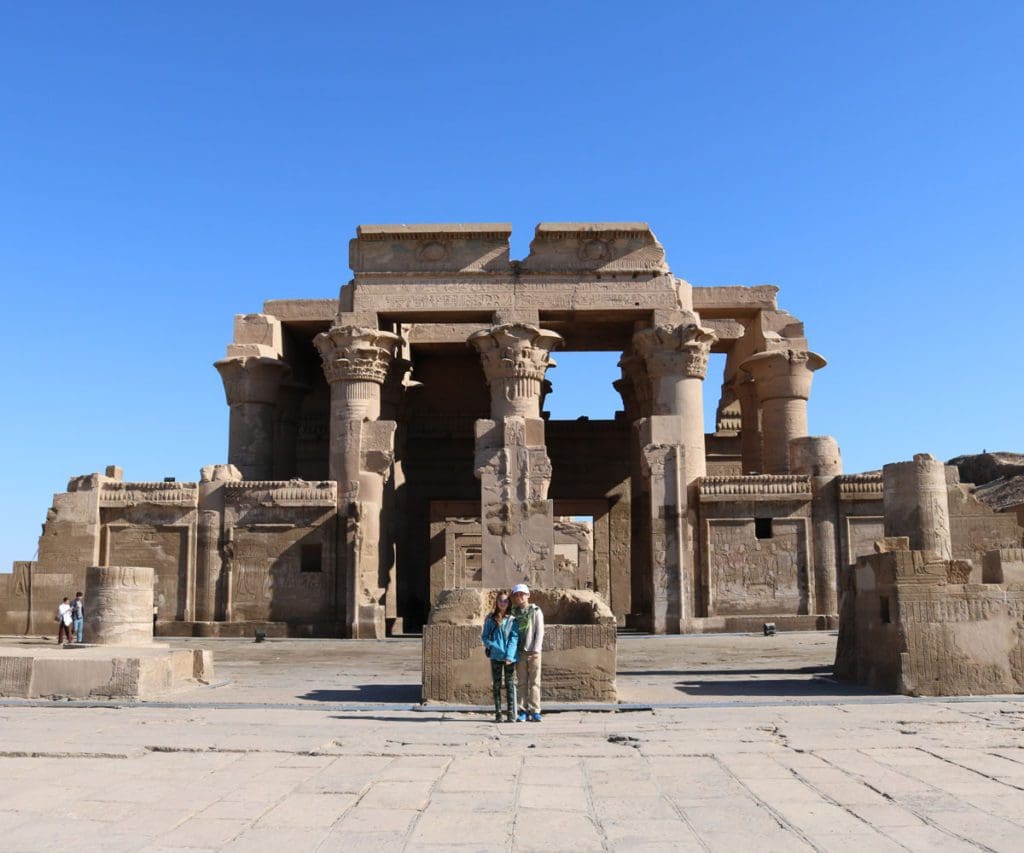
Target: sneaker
[(497, 718), (522, 717), (535, 717)]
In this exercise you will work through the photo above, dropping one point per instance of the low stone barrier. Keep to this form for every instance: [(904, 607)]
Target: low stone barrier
[(577, 663)]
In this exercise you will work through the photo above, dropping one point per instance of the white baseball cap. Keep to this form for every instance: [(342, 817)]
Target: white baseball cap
[(520, 587)]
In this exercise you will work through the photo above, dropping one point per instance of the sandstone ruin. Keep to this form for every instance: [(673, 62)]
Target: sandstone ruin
[(392, 444)]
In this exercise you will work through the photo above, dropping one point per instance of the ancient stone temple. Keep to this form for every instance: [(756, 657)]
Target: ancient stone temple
[(392, 443)]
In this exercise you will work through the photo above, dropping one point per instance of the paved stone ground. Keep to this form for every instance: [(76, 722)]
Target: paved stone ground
[(738, 742)]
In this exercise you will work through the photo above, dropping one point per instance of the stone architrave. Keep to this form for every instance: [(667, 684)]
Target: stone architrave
[(251, 385), (916, 504), (517, 519), (818, 457), (675, 356), (782, 379), (120, 605), (356, 361)]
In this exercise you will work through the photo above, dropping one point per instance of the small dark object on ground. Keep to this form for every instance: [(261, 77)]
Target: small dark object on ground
[(769, 629), (261, 635)]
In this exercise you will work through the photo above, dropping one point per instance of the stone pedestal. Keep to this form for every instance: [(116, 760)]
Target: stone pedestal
[(119, 605), (782, 379), (917, 504), (251, 385), (356, 362), (818, 458)]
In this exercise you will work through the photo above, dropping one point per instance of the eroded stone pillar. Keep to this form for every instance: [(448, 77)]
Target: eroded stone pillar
[(517, 519), (673, 459), (916, 504), (209, 543), (782, 379), (251, 385), (356, 361), (818, 457), (119, 601), (750, 424)]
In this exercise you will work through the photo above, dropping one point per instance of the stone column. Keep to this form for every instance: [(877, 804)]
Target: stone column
[(750, 424), (119, 605), (290, 399), (818, 457), (673, 459), (916, 504), (209, 545), (782, 379), (676, 358), (356, 361), (517, 519), (251, 385), (515, 357)]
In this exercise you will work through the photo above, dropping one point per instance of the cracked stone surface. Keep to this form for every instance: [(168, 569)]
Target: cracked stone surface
[(736, 742)]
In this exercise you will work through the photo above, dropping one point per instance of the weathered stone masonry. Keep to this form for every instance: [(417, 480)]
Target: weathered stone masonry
[(392, 443)]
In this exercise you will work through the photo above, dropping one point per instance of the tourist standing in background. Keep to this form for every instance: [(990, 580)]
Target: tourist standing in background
[(78, 616), (501, 642), (531, 637), (64, 621)]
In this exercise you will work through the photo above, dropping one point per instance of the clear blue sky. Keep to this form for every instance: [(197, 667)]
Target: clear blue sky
[(165, 166)]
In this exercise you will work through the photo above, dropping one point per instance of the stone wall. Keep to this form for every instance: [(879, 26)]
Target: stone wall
[(910, 624)]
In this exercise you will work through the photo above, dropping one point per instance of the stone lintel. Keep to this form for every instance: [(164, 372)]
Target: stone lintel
[(302, 310), (731, 300), (596, 247), (493, 230), (467, 248)]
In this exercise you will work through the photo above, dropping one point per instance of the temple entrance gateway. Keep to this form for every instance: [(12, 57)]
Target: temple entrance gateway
[(394, 443)]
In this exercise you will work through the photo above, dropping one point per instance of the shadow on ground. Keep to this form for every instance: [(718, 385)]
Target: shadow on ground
[(772, 687), (399, 694), (796, 670)]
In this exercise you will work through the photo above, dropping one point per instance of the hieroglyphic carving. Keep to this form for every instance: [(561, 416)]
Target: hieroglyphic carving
[(165, 549), (752, 576), (862, 531)]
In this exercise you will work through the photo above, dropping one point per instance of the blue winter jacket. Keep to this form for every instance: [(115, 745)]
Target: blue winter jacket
[(501, 641)]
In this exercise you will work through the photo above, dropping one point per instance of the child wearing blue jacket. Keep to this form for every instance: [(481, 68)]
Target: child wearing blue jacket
[(501, 643)]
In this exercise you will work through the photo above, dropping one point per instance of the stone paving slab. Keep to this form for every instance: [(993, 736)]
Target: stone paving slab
[(763, 773)]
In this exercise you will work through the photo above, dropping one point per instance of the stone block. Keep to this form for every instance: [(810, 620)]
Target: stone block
[(472, 248), (261, 330), (595, 246), (578, 664), (202, 665)]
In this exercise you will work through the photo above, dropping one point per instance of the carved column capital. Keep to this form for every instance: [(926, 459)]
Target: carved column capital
[(515, 351), (675, 350), (783, 373), (251, 379), (356, 353), (515, 357)]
